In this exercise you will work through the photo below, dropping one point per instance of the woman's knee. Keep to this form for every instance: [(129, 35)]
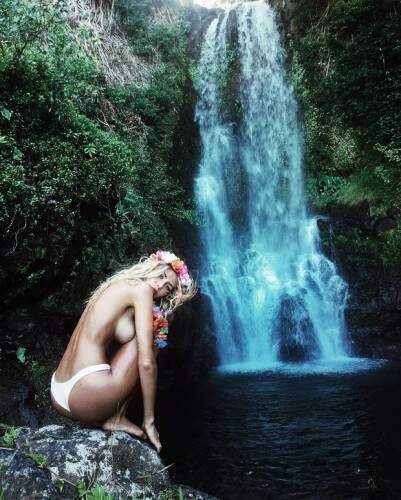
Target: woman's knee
[(123, 385)]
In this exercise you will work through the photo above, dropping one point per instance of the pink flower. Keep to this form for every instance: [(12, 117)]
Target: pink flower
[(176, 263)]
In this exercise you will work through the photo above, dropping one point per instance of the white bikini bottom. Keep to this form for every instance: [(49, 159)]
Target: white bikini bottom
[(61, 390)]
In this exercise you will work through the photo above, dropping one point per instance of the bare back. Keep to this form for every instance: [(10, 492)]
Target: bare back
[(110, 318)]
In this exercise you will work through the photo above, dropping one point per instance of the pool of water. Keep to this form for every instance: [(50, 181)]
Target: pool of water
[(288, 431)]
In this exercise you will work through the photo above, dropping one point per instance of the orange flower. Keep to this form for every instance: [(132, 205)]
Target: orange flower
[(177, 264), (158, 323)]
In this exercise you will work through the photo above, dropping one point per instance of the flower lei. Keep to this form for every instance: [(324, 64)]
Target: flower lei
[(160, 323), (160, 328), (176, 263)]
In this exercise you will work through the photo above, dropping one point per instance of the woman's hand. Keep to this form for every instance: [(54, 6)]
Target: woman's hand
[(153, 435)]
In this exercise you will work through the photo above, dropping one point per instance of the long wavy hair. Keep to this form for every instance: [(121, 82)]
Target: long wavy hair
[(146, 268)]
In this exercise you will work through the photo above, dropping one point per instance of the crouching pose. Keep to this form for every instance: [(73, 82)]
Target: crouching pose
[(129, 309)]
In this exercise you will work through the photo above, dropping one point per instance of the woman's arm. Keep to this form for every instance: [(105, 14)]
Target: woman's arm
[(143, 303)]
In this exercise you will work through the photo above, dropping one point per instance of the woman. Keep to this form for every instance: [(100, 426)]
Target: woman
[(129, 309)]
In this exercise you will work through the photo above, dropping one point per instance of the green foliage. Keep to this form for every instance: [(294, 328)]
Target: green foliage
[(60, 485), (10, 435), (96, 492), (88, 181), (38, 374), (2, 491), (346, 72), (20, 353), (82, 488), (39, 459), (391, 248), (171, 494), (194, 72), (38, 371)]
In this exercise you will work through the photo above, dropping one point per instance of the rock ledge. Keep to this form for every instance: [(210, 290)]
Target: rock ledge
[(69, 462)]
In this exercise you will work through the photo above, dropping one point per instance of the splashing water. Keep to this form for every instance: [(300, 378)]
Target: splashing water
[(274, 295)]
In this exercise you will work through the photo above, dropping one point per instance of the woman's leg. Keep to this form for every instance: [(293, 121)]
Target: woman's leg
[(104, 396), (119, 421)]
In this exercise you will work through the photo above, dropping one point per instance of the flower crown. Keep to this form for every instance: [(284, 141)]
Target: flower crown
[(176, 263)]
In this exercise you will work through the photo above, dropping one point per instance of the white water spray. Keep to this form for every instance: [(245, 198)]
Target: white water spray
[(274, 295)]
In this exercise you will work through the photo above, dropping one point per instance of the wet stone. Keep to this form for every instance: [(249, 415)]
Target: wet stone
[(57, 461)]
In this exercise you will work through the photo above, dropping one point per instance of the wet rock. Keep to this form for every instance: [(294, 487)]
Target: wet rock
[(192, 351), (57, 461), (199, 19), (295, 332), (352, 237), (287, 10)]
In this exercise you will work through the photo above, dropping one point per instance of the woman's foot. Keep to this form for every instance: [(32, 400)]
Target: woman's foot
[(153, 435), (115, 423)]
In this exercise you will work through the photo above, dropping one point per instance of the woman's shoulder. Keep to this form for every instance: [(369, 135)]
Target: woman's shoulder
[(124, 289), (140, 290)]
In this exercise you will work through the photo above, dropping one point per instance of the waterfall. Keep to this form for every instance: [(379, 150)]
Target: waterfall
[(274, 295)]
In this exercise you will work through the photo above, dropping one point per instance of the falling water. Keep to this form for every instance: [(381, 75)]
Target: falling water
[(274, 295)]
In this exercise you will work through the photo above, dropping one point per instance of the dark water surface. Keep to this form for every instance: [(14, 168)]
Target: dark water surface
[(288, 435)]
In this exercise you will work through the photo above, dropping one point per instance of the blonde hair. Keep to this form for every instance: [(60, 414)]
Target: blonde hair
[(144, 269)]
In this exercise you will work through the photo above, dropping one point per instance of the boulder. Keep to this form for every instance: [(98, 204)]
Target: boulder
[(296, 335), (59, 462)]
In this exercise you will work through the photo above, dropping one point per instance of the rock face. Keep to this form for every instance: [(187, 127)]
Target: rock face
[(373, 311), (295, 333), (63, 462), (199, 19), (286, 10)]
